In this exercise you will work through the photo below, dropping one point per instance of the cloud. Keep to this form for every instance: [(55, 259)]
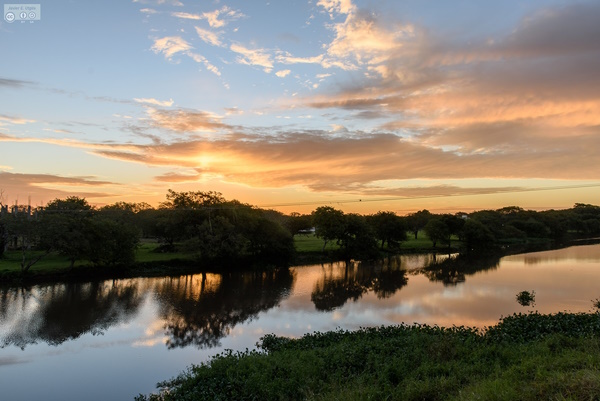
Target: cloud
[(258, 57), (209, 37), (362, 38), (283, 73), (207, 64), (148, 11), (221, 17), (14, 120), (178, 177), (182, 120), (337, 6), (163, 103), (160, 2), (14, 83), (354, 162), (170, 45), (45, 187), (534, 88), (186, 15)]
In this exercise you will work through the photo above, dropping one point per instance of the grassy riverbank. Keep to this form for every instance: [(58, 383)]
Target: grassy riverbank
[(149, 262), (524, 357)]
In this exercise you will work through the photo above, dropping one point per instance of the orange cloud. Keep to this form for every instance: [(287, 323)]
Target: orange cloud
[(185, 120), (46, 186)]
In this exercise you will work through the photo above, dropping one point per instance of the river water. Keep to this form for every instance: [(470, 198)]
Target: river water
[(110, 340)]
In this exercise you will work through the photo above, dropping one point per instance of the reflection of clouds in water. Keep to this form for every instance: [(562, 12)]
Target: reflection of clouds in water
[(151, 342), (12, 360), (338, 315)]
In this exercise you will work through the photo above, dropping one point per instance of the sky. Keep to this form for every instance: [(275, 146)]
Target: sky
[(361, 105)]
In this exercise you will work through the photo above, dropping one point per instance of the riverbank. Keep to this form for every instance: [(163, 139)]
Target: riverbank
[(149, 262), (525, 357)]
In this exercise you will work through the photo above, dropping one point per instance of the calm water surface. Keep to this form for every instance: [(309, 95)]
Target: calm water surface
[(110, 340)]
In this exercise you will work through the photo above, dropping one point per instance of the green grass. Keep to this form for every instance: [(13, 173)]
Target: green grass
[(524, 357), (145, 253), (55, 263), (310, 243)]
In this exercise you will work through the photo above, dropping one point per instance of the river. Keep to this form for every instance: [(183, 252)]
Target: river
[(110, 340)]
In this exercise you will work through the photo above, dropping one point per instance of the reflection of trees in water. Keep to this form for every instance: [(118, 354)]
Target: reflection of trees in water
[(453, 270), (202, 309), (61, 312), (342, 282), (199, 309)]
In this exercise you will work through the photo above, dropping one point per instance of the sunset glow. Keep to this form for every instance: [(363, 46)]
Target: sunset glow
[(361, 105)]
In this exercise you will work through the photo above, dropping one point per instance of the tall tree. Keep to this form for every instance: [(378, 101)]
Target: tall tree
[(66, 227), (329, 224), (388, 227), (417, 221), (437, 231)]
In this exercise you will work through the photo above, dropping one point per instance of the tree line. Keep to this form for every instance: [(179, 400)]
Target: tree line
[(219, 231)]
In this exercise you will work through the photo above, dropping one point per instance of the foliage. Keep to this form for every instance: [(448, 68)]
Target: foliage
[(437, 231), (417, 221), (388, 227), (216, 231), (112, 243), (526, 298), (357, 240), (477, 237), (329, 224), (526, 357), (298, 223)]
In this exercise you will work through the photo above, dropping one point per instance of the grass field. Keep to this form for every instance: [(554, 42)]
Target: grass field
[(310, 243), (55, 263)]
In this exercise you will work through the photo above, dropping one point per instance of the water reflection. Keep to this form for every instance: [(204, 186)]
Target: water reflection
[(202, 309), (452, 270), (197, 309), (61, 312), (341, 282)]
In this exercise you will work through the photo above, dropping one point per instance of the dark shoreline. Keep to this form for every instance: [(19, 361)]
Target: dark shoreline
[(177, 267)]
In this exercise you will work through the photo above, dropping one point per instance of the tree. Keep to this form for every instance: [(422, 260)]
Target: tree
[(358, 240), (417, 221), (66, 227), (455, 224), (477, 237), (25, 230), (270, 242), (437, 230), (329, 224), (3, 229), (111, 242), (297, 223), (192, 200), (3, 235), (388, 227), (220, 240)]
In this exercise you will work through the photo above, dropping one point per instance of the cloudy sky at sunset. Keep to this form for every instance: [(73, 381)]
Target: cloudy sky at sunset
[(362, 105)]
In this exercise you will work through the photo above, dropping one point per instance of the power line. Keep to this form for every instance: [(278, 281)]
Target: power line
[(404, 198)]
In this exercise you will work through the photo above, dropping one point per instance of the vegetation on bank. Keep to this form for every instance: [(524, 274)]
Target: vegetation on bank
[(525, 357), (205, 231)]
